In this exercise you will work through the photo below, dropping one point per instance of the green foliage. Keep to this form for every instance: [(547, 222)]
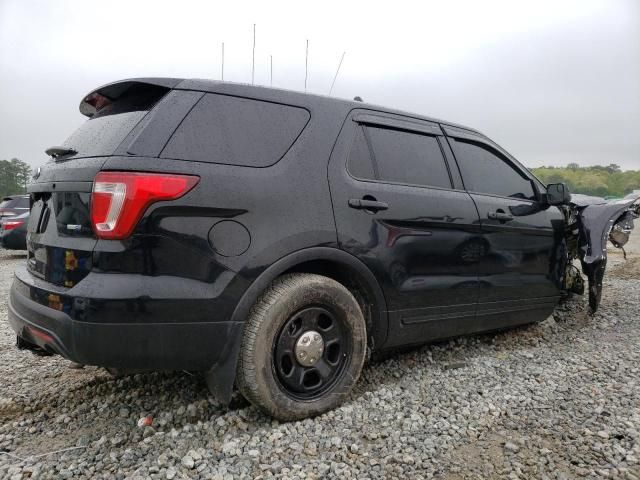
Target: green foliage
[(609, 181), (14, 175)]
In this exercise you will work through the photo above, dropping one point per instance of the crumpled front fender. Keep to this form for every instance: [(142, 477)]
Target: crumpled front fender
[(596, 218)]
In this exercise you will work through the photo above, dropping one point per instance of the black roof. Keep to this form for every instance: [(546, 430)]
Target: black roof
[(114, 89)]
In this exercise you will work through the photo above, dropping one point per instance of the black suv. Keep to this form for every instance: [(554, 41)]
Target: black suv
[(274, 239)]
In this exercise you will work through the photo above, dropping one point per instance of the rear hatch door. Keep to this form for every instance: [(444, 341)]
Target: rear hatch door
[(60, 239)]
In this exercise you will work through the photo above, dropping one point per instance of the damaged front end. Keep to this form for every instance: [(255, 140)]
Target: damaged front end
[(591, 222)]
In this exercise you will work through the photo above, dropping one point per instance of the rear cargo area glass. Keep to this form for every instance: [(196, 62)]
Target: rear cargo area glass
[(104, 132)]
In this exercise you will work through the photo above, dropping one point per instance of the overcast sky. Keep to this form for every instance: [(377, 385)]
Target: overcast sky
[(552, 81)]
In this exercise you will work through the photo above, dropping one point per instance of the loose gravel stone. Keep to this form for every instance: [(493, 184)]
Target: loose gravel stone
[(512, 447), (556, 400), (188, 462)]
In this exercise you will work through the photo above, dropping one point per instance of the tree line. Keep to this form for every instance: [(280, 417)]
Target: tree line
[(14, 176), (602, 181)]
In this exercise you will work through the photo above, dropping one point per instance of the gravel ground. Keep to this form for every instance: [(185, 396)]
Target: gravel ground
[(560, 399)]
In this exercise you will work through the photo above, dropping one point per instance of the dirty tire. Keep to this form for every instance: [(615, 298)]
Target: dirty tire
[(282, 301)]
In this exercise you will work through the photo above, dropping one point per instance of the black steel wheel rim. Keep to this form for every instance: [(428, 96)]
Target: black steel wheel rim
[(311, 382)]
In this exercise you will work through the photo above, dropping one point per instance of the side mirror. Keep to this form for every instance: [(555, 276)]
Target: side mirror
[(558, 194)]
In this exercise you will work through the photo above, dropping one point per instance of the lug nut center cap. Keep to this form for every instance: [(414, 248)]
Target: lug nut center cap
[(309, 348)]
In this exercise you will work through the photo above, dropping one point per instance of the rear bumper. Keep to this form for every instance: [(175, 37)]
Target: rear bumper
[(133, 341)]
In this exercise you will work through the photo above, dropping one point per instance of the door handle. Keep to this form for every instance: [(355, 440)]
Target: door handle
[(365, 204), (500, 216)]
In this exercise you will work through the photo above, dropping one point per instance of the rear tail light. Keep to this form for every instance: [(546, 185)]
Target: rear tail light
[(119, 199), (11, 224)]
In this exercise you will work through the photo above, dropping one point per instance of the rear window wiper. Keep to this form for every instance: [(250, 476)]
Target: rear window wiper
[(56, 152)]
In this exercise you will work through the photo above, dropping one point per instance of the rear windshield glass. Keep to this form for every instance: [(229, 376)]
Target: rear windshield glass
[(236, 131), (105, 131), (20, 202)]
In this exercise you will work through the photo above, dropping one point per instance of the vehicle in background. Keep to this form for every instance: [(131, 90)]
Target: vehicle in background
[(13, 232), (13, 205)]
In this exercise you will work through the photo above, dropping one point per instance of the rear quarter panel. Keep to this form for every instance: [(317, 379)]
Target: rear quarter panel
[(285, 207)]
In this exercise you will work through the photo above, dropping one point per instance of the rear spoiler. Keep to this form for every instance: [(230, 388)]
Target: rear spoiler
[(112, 91)]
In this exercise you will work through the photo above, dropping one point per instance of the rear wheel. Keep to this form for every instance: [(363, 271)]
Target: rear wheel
[(303, 347)]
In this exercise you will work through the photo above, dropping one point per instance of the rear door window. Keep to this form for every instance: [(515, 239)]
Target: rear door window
[(484, 171), (236, 131), (398, 156)]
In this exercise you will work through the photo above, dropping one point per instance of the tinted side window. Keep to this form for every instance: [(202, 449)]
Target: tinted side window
[(483, 171), (236, 131), (399, 156)]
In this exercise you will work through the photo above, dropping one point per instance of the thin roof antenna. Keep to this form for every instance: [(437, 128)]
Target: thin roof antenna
[(271, 57), (336, 75), (253, 57), (306, 64), (222, 72)]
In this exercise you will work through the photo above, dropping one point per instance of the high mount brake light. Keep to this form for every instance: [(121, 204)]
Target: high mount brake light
[(93, 103), (119, 199)]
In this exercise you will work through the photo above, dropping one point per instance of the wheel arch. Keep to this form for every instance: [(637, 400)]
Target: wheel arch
[(331, 262)]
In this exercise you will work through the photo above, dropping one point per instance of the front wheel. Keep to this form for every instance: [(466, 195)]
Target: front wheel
[(303, 347)]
